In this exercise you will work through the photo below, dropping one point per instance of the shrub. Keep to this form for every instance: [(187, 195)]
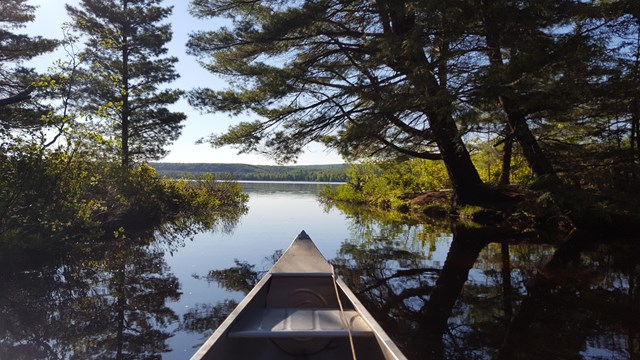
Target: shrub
[(389, 185), (50, 201)]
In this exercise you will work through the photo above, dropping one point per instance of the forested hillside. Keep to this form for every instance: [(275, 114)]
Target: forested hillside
[(328, 173)]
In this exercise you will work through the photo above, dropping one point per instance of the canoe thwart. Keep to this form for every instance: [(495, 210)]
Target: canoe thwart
[(300, 322), (294, 313)]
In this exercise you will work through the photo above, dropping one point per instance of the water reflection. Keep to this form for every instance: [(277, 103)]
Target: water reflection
[(105, 299), (581, 304), (283, 187), (205, 318), (109, 304), (438, 289), (478, 294)]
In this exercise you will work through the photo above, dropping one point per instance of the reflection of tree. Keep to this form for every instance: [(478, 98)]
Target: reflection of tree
[(406, 292), (101, 297), (373, 224), (134, 311), (173, 233), (108, 304), (435, 314), (493, 297), (205, 318), (513, 299), (241, 277), (28, 302), (583, 301)]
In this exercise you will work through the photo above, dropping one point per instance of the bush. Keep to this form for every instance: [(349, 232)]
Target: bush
[(389, 185), (50, 201), (45, 201)]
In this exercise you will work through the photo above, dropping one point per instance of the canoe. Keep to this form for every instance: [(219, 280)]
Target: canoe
[(300, 310)]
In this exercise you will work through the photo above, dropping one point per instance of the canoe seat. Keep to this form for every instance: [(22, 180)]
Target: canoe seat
[(298, 323)]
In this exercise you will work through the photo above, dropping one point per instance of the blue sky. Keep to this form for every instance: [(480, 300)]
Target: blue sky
[(49, 18)]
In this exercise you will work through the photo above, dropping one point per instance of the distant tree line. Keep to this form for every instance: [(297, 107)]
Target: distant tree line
[(320, 173)]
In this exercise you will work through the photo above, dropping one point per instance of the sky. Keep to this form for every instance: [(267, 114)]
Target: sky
[(50, 16)]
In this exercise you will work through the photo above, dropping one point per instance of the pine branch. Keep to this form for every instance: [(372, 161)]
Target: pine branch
[(19, 97)]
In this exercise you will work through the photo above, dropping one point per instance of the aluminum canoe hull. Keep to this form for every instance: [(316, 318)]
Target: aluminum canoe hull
[(300, 310)]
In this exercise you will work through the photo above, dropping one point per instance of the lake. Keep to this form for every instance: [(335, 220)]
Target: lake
[(440, 290)]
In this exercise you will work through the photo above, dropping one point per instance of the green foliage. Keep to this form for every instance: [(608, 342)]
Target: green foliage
[(488, 160), (61, 183), (469, 210), (140, 197), (125, 47), (318, 71), (15, 78), (19, 47), (389, 185), (45, 200), (558, 78), (50, 201)]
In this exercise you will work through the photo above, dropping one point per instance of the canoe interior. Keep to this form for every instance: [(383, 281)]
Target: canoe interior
[(294, 313), (317, 292)]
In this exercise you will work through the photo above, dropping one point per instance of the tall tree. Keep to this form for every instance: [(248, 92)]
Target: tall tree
[(364, 76), (15, 48), (511, 23), (126, 47), (556, 69), (622, 100)]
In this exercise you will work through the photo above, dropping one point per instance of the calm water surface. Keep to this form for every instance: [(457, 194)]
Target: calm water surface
[(440, 291), (277, 213)]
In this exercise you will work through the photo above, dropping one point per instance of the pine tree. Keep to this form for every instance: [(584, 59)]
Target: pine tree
[(513, 24), (15, 48), (368, 76), (623, 96), (126, 49)]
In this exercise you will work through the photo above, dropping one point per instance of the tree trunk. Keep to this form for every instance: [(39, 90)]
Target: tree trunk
[(121, 303), (633, 139), (467, 184), (507, 151), (126, 107), (463, 253), (634, 124), (409, 58), (635, 112), (506, 282), (638, 134), (515, 119), (531, 150)]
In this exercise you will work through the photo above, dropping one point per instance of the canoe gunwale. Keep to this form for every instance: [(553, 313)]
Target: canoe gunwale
[(231, 319), (386, 344), (301, 260)]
